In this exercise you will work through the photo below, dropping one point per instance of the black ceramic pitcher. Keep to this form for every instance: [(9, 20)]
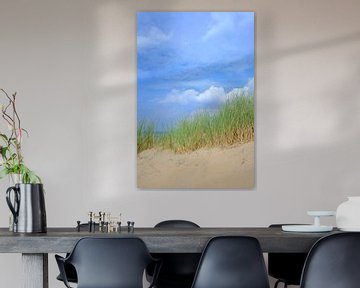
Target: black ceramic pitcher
[(28, 207)]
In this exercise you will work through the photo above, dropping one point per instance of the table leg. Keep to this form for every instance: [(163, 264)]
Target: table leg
[(35, 270)]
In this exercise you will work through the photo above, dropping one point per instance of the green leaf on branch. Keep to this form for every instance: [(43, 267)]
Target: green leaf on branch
[(4, 137), (3, 151)]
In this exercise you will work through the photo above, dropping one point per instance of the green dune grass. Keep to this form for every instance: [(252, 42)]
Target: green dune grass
[(232, 124), (145, 136)]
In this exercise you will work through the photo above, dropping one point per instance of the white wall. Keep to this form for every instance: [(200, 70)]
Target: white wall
[(73, 64)]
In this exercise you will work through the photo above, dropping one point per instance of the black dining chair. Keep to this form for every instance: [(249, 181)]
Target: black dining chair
[(178, 269), (108, 263), (333, 262), (232, 262), (286, 267)]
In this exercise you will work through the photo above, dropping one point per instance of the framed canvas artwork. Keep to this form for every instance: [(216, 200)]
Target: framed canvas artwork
[(195, 100)]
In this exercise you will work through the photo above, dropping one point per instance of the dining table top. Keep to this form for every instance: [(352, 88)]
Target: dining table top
[(159, 240)]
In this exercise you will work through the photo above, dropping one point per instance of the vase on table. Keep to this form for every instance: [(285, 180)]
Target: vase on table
[(27, 205), (348, 214), (25, 196)]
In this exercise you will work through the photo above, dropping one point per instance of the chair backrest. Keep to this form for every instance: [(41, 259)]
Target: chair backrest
[(178, 269), (110, 262), (333, 262), (232, 262), (176, 224)]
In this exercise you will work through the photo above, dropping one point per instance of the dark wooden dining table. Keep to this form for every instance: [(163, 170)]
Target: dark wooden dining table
[(35, 247)]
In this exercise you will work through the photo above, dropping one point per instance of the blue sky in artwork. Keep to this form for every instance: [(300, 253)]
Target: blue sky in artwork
[(191, 61)]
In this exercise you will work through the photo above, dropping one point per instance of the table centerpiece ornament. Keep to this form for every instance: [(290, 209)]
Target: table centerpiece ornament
[(25, 197)]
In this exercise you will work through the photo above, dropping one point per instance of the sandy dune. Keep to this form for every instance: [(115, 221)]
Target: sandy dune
[(221, 168)]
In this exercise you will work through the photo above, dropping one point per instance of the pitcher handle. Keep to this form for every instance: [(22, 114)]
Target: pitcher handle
[(13, 208)]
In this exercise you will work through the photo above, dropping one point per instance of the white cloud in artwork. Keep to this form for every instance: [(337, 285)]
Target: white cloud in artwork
[(247, 90), (154, 37), (213, 94)]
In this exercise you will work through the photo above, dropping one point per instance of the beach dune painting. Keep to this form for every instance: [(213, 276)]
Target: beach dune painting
[(195, 100)]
